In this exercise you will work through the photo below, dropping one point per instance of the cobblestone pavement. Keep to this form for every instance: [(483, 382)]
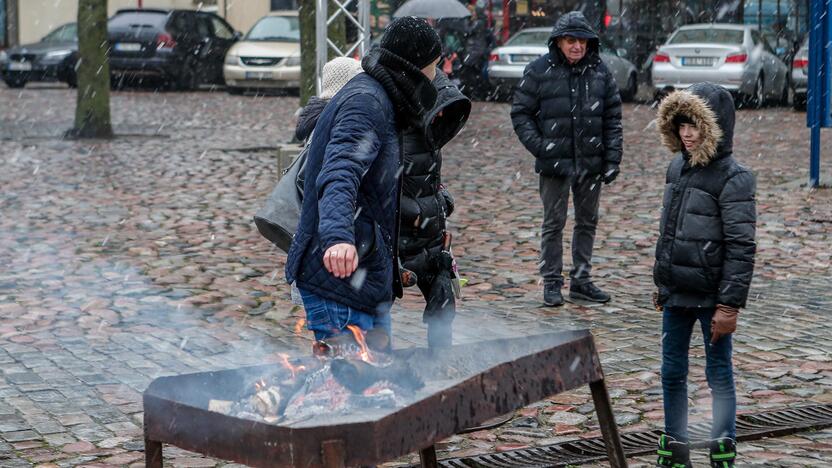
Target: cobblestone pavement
[(130, 259)]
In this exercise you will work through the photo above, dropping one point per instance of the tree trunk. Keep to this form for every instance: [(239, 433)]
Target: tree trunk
[(92, 108), (308, 54)]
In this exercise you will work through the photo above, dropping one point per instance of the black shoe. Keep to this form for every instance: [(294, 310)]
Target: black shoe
[(672, 453), (552, 296), (588, 292), (723, 453)]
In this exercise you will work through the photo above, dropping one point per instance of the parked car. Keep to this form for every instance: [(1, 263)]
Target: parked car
[(800, 76), (267, 57), (736, 57), (506, 64), (51, 59), (184, 48)]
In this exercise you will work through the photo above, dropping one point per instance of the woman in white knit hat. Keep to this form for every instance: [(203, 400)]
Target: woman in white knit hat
[(336, 73)]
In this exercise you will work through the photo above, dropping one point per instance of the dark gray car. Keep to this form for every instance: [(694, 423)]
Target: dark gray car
[(51, 59)]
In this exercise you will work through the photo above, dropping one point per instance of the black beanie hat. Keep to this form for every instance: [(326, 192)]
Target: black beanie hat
[(412, 39)]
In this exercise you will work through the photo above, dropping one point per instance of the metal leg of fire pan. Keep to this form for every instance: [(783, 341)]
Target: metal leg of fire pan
[(333, 453), (428, 457), (152, 453), (606, 418)]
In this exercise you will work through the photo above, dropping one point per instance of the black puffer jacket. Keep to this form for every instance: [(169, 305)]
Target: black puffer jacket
[(308, 117), (569, 116), (425, 203), (705, 252)]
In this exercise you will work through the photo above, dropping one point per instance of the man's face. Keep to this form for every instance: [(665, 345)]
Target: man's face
[(573, 48), (430, 70), (690, 136)]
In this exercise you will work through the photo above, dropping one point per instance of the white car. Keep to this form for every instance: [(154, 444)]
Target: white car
[(734, 56), (800, 76), (267, 57), (507, 63)]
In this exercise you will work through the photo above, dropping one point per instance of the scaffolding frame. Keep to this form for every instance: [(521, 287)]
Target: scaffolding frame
[(324, 44)]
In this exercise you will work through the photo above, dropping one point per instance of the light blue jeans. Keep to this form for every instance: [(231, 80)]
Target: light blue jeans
[(327, 318)]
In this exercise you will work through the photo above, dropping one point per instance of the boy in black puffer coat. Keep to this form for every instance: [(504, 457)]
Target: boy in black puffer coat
[(704, 261), (425, 205)]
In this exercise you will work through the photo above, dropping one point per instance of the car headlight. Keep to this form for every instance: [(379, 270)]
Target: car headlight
[(231, 59), (293, 61), (57, 54)]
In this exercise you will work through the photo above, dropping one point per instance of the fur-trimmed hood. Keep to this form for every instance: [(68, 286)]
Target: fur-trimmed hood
[(711, 108)]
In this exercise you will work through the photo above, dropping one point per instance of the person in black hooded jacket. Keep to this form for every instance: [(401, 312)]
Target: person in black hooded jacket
[(425, 205), (567, 113), (704, 261)]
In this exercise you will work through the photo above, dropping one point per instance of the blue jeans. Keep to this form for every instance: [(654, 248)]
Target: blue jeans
[(677, 326), (327, 318)]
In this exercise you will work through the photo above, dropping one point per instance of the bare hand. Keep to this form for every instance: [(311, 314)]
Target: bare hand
[(341, 260)]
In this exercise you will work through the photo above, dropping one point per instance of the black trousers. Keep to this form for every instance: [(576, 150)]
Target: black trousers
[(586, 194)]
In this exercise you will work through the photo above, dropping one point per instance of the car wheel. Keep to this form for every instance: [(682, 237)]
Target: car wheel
[(784, 95), (72, 79), (757, 98), (629, 94), (234, 90), (799, 103), (14, 82)]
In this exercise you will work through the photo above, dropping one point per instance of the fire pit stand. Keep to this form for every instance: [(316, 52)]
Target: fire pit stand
[(489, 379)]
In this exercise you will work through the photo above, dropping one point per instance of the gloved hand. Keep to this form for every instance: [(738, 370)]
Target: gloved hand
[(656, 304), (611, 171), (724, 322)]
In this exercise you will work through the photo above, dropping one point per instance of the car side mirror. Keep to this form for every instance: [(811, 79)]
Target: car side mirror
[(622, 52), (238, 35)]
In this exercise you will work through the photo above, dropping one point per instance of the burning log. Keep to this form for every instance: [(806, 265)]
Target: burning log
[(357, 375)]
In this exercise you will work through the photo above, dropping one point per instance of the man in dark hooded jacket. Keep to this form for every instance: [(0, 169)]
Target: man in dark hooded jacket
[(343, 256), (567, 113), (426, 204), (704, 261)]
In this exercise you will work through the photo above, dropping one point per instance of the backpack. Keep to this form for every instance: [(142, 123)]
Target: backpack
[(278, 220)]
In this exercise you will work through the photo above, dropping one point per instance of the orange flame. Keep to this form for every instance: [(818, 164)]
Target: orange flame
[(299, 325), (359, 338), (284, 359)]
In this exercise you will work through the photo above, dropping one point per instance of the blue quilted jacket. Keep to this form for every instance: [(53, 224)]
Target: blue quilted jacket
[(351, 195)]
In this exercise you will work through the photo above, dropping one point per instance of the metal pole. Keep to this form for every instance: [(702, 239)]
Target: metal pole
[(321, 30)]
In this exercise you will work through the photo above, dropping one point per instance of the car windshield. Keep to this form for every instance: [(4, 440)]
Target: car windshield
[(530, 38), (66, 33), (275, 28), (708, 36)]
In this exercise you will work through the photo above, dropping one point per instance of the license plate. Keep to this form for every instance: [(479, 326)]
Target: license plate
[(523, 58), (20, 66), (258, 75), (128, 47), (698, 61)]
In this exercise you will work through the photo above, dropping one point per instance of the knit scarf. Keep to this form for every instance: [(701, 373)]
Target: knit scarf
[(406, 86)]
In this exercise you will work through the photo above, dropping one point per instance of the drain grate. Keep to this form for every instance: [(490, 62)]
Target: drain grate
[(750, 426)]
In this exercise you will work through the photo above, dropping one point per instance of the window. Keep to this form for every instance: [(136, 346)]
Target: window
[(530, 38), (137, 19), (203, 27), (221, 30)]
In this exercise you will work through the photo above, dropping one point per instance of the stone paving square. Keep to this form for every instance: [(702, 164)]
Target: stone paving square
[(126, 260)]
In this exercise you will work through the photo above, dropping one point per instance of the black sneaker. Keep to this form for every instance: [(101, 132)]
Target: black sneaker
[(587, 292), (723, 453), (552, 296), (672, 453)]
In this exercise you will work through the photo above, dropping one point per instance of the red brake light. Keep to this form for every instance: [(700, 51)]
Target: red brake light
[(165, 41), (494, 58), (736, 58), (800, 63), (661, 58)]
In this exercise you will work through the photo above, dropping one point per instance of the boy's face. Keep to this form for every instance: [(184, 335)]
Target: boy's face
[(573, 48), (690, 136)]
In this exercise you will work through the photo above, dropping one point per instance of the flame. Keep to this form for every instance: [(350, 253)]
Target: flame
[(284, 359), (299, 325), (359, 338)]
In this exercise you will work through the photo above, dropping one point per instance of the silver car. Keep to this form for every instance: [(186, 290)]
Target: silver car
[(506, 64), (736, 57), (800, 76)]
